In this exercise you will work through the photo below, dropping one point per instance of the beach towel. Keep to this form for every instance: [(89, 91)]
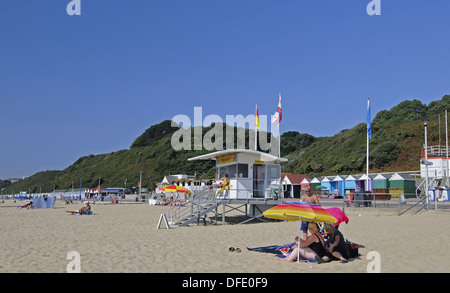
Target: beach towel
[(267, 249), (275, 249), (280, 251)]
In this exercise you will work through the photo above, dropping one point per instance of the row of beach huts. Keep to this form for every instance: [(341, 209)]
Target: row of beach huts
[(340, 185)]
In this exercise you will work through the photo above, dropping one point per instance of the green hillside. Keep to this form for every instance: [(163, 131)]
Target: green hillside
[(398, 135), (397, 138)]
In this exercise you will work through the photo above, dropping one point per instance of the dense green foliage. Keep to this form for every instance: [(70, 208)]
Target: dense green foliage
[(397, 139), (154, 133), (398, 136)]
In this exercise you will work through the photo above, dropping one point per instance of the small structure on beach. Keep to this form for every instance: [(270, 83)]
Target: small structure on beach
[(293, 183), (381, 183), (339, 185), (315, 182), (252, 174), (305, 182), (353, 183), (244, 178), (327, 183), (176, 179), (366, 182), (402, 184)]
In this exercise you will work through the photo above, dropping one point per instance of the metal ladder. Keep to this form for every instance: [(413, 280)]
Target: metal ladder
[(183, 216)]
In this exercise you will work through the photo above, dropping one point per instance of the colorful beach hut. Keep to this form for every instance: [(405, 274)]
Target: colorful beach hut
[(292, 183), (366, 182), (305, 182), (339, 185), (315, 182), (326, 182), (350, 183), (381, 183), (402, 184)]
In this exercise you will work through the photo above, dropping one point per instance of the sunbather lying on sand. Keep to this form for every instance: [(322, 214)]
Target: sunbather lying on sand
[(82, 211), (27, 206)]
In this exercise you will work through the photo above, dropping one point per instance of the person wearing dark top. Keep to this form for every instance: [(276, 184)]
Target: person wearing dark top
[(338, 249), (312, 248)]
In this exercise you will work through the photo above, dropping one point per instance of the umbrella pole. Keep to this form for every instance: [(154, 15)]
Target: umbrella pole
[(298, 249)]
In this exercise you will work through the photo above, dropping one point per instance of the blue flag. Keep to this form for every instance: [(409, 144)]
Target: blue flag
[(369, 126)]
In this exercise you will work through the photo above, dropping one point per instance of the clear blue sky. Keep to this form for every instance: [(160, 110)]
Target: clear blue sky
[(71, 86)]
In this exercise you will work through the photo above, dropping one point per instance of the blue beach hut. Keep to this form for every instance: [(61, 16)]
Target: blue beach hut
[(350, 183), (339, 185), (326, 182)]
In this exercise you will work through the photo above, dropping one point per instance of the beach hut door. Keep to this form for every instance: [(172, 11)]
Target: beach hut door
[(259, 176)]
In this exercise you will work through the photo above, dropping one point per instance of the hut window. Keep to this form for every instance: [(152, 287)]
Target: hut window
[(243, 170), (230, 170), (273, 171)]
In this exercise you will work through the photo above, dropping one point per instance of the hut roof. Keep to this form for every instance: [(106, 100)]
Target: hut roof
[(400, 176), (260, 155), (293, 178)]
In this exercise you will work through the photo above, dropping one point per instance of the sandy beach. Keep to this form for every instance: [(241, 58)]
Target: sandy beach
[(122, 238)]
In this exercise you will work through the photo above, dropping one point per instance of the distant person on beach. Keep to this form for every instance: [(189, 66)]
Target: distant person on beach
[(338, 249), (308, 197), (313, 248), (28, 205), (82, 211)]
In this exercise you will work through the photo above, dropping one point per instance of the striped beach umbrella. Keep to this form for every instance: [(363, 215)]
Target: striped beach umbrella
[(299, 211), (174, 188)]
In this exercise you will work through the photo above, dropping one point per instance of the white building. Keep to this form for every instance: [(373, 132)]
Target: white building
[(253, 174)]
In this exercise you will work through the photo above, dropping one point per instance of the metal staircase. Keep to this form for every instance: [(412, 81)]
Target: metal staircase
[(185, 215)]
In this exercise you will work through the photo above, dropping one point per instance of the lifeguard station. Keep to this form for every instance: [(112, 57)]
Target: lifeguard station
[(254, 183)]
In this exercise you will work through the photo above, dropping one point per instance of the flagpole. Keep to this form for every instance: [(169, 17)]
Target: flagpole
[(279, 133), (367, 148), (256, 129), (446, 144), (279, 141), (367, 163), (276, 118), (81, 181)]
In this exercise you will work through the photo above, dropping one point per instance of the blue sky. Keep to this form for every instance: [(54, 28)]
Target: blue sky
[(77, 85)]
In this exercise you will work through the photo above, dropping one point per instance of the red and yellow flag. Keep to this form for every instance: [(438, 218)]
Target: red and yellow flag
[(257, 118)]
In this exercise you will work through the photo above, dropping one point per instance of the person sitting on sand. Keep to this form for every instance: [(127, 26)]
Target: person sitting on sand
[(338, 249), (313, 248), (83, 211)]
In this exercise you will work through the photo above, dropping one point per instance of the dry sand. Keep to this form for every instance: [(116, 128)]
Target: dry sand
[(123, 238)]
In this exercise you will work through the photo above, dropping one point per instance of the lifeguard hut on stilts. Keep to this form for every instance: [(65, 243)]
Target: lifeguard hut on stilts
[(254, 184)]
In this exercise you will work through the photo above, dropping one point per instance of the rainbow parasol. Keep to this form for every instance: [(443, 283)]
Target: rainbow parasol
[(338, 214), (299, 211), (174, 188)]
